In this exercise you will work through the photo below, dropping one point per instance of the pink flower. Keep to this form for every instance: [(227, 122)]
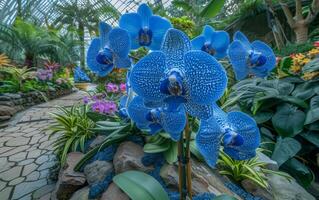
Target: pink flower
[(316, 44), (113, 88), (123, 87), (104, 107)]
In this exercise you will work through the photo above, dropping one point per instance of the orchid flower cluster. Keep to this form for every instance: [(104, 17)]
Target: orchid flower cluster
[(44, 74), (181, 77), (114, 88), (100, 105)]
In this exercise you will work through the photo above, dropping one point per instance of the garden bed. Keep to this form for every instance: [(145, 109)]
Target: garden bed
[(11, 103)]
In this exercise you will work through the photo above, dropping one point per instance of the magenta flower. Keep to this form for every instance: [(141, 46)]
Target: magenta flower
[(104, 107), (123, 87), (44, 75), (86, 100), (112, 88)]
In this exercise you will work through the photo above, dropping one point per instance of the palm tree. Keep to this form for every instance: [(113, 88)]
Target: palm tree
[(298, 22), (26, 41), (84, 15)]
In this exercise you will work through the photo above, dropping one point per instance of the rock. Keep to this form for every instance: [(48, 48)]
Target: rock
[(5, 98), (97, 141), (284, 189), (8, 110), (204, 179), (114, 193), (6, 103), (12, 96), (270, 164), (82, 194), (69, 180), (97, 171), (256, 190), (4, 118), (128, 157)]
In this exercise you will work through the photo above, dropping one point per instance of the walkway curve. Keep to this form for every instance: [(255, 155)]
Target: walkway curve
[(26, 157)]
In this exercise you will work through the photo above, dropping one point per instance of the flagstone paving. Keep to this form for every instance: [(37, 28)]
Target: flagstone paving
[(27, 161)]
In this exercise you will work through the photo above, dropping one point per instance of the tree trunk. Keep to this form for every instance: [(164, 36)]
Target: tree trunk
[(301, 31), (82, 45)]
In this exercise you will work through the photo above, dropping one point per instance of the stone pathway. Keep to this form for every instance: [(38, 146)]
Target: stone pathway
[(26, 156)]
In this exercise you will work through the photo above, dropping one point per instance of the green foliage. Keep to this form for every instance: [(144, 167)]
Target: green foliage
[(15, 78), (184, 24), (286, 110), (72, 128), (252, 169), (294, 49), (312, 66), (212, 8), (139, 185)]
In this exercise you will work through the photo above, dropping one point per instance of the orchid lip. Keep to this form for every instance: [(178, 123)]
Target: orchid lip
[(173, 84), (256, 59), (105, 57), (207, 47), (231, 138), (145, 36)]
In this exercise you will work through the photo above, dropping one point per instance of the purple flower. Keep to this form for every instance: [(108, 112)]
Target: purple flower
[(86, 100), (44, 75), (104, 107), (123, 87), (111, 87)]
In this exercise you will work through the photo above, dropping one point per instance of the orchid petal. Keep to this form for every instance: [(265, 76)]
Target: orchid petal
[(208, 140), (243, 39), (145, 12), (200, 111), (208, 32), (158, 27), (175, 45), (145, 77), (220, 41), (174, 122), (206, 78), (137, 111), (120, 42), (198, 42), (238, 57), (104, 30), (122, 62)]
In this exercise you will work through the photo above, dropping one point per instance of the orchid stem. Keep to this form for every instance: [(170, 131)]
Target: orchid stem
[(181, 169), (188, 161)]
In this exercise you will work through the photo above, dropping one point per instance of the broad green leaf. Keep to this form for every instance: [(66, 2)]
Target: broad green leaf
[(312, 137), (262, 117), (284, 88), (212, 8), (311, 66), (224, 197), (156, 148), (314, 126), (171, 154), (285, 149), (194, 150), (288, 121), (138, 185), (305, 90), (94, 116), (299, 171), (313, 112)]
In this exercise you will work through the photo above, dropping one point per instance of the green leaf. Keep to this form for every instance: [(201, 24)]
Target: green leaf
[(313, 112), (171, 154), (262, 117), (94, 116), (311, 66), (285, 149), (212, 8), (312, 137), (305, 90), (224, 197), (138, 185), (194, 150), (285, 64), (156, 148), (288, 121), (299, 171)]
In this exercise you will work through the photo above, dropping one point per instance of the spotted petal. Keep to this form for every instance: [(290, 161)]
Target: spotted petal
[(220, 42), (247, 128), (206, 79), (238, 56), (265, 50), (174, 122), (243, 39), (198, 42), (137, 111), (122, 62), (119, 42), (104, 30), (197, 110), (145, 12), (220, 116), (208, 32), (158, 26), (208, 140), (145, 77), (94, 66), (175, 45), (132, 23)]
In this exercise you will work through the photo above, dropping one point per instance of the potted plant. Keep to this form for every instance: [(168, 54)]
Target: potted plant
[(81, 79)]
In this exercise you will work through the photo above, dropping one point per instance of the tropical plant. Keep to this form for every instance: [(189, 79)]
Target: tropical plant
[(300, 22), (81, 17), (26, 41), (285, 110), (4, 61), (15, 77), (185, 24), (73, 129)]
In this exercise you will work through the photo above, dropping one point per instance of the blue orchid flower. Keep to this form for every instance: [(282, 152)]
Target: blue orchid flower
[(236, 131), (178, 75), (122, 107), (80, 75), (145, 29), (250, 59), (109, 50), (157, 118), (212, 42)]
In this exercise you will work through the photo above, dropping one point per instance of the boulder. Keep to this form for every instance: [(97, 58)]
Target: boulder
[(256, 190), (4, 118), (284, 189), (96, 171), (270, 164), (4, 98), (69, 181), (13, 96), (7, 103), (114, 193), (82, 194), (204, 179), (9, 110), (128, 157)]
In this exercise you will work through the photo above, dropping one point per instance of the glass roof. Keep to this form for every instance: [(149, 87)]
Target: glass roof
[(46, 10)]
